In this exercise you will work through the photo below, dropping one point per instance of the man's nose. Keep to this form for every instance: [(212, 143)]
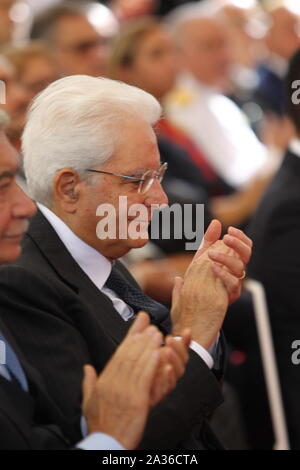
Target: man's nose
[(156, 194), (23, 206)]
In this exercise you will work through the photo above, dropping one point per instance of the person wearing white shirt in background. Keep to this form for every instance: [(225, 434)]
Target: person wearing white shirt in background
[(198, 105)]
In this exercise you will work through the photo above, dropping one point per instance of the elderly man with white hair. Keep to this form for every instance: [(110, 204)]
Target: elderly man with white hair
[(114, 417), (87, 142)]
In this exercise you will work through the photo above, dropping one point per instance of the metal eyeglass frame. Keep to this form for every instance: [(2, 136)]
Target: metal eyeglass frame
[(159, 174)]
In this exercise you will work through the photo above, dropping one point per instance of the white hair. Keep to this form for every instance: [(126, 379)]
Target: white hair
[(75, 123)]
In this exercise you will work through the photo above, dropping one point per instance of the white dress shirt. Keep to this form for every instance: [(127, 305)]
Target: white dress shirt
[(98, 269), (95, 265), (219, 128), (294, 146), (99, 441)]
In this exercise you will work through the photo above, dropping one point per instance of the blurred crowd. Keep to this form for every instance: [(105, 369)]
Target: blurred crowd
[(218, 67)]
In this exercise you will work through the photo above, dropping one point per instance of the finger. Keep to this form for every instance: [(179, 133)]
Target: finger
[(235, 232), (88, 383), (140, 324), (134, 350), (241, 249), (212, 234), (232, 284), (146, 371), (164, 383), (187, 338), (174, 360), (234, 265), (170, 379)]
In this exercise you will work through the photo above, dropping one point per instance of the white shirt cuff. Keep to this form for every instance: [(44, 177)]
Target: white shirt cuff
[(99, 441), (203, 353), (206, 356)]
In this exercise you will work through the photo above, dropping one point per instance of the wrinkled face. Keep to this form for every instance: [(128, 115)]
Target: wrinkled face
[(284, 36), (154, 67), (79, 48), (205, 51), (15, 206), (17, 101), (135, 153)]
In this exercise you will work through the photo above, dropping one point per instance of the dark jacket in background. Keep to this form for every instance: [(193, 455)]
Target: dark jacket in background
[(26, 418), (275, 231)]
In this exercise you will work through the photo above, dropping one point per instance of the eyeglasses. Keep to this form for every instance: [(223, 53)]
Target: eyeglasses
[(145, 182)]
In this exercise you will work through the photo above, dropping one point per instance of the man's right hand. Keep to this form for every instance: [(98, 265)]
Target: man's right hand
[(139, 375)]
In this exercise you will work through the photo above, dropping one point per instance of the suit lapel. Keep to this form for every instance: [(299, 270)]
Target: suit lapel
[(291, 162), (54, 251)]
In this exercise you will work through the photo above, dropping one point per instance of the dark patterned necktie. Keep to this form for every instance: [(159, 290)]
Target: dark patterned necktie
[(136, 299), (12, 364)]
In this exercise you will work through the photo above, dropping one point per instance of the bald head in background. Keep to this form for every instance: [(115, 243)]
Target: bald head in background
[(204, 50)]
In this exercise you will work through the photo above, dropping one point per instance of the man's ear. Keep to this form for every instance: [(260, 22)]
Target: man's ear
[(66, 189)]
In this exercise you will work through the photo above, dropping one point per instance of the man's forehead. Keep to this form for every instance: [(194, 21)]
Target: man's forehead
[(138, 159), (75, 27)]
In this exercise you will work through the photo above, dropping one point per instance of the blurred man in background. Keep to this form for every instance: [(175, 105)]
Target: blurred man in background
[(282, 41), (198, 104), (78, 35)]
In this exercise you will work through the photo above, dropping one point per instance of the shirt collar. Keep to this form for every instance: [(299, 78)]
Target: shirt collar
[(186, 79), (294, 146), (93, 263)]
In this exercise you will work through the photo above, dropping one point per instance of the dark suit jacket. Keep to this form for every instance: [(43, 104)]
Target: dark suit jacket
[(26, 418), (275, 231), (270, 91), (62, 321)]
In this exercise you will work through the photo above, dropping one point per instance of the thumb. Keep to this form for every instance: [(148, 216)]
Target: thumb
[(88, 384)]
